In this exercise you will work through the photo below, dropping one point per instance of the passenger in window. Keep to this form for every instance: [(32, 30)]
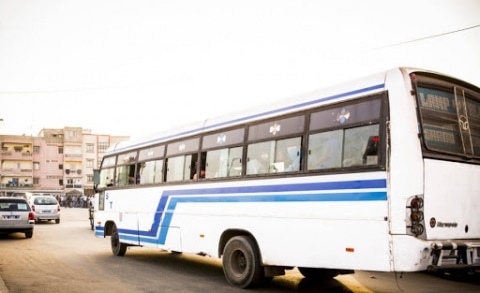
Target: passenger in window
[(259, 166), (293, 153), (202, 175)]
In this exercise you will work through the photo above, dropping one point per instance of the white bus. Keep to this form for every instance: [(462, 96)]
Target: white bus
[(382, 174)]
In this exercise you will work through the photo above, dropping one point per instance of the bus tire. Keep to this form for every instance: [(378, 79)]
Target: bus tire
[(317, 273), (118, 248), (241, 262)]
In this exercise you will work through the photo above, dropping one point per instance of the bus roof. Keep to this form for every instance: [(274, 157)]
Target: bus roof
[(343, 91)]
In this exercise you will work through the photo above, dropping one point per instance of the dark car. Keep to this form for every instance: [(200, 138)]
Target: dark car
[(16, 216)]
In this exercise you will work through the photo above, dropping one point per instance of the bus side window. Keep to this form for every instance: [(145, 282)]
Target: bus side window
[(235, 161), (259, 158), (224, 163), (175, 168), (106, 177), (325, 150), (287, 157), (150, 172), (200, 173), (216, 163), (123, 175), (181, 168), (131, 174), (356, 144)]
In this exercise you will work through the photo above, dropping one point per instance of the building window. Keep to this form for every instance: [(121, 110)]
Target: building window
[(90, 148), (60, 166), (60, 150), (102, 146), (36, 180), (36, 165), (89, 178), (36, 149), (90, 163)]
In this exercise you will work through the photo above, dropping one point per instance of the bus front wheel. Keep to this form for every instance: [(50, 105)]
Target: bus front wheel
[(118, 248), (241, 262)]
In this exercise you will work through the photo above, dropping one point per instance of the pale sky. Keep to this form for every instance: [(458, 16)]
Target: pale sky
[(138, 67)]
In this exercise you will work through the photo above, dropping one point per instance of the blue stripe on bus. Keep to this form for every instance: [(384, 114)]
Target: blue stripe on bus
[(264, 193)]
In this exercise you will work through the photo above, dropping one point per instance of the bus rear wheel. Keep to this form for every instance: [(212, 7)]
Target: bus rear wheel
[(317, 274), (118, 248), (241, 262)]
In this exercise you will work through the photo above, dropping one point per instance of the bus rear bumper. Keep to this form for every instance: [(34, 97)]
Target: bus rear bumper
[(455, 255)]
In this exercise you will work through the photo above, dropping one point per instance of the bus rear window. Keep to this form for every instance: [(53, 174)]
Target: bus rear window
[(450, 120)]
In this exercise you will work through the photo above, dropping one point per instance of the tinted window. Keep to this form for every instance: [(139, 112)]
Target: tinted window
[(127, 158), (450, 120), (287, 126), (345, 136), (109, 161), (181, 147), (151, 153), (223, 139), (345, 115)]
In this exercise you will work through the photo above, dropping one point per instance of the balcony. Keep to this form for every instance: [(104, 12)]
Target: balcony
[(15, 186), (73, 185), (16, 155), (72, 158), (12, 172)]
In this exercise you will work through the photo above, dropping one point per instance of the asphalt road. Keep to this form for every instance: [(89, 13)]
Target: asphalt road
[(68, 258)]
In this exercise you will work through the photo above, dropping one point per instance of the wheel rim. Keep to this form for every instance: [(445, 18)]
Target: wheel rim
[(239, 262)]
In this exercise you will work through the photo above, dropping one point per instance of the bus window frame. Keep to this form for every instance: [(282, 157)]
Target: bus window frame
[(449, 86), (382, 121), (197, 153), (186, 147)]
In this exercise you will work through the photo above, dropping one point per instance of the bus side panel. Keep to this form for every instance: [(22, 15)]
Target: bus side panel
[(332, 235), (329, 232)]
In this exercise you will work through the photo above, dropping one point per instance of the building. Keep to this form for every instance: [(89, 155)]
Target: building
[(56, 162)]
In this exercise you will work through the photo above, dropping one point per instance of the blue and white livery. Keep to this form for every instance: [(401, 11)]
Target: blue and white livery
[(381, 173)]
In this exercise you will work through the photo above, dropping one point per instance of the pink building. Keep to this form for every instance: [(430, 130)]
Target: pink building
[(56, 162)]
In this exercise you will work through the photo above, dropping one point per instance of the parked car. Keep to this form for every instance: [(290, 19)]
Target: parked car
[(16, 215), (46, 208)]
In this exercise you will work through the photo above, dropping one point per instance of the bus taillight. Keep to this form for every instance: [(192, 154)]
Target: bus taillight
[(416, 203), (415, 216)]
